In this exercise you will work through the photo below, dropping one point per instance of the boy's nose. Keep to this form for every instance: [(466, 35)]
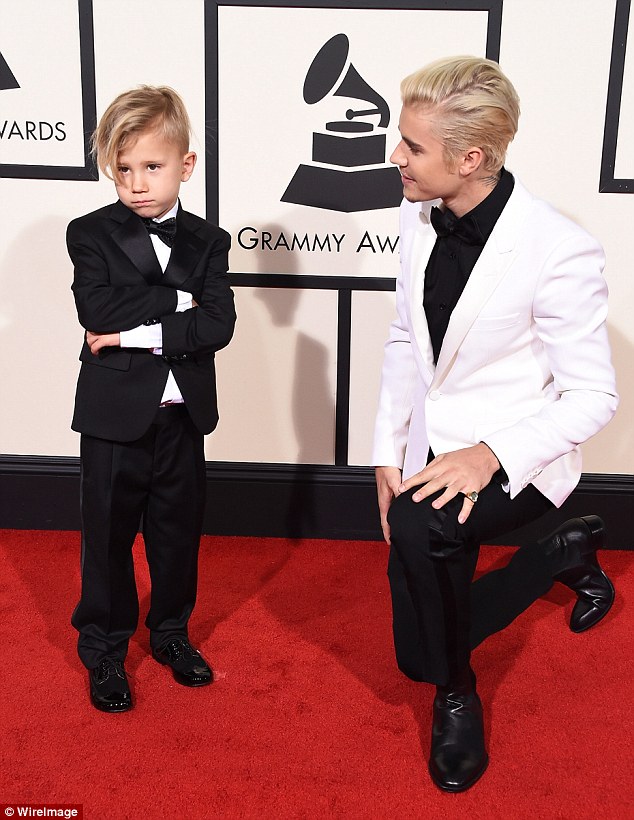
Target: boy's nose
[(138, 183)]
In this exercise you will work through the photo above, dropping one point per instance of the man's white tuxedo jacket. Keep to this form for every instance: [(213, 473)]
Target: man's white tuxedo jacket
[(525, 363)]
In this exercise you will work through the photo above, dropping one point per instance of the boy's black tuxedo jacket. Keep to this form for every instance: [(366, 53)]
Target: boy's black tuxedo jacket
[(118, 285)]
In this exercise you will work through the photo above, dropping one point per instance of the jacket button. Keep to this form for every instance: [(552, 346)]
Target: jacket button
[(434, 395)]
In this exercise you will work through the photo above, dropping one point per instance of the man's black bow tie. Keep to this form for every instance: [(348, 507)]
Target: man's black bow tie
[(165, 230), (446, 223)]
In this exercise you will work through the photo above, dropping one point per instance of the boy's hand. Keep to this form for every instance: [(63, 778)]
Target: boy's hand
[(96, 341)]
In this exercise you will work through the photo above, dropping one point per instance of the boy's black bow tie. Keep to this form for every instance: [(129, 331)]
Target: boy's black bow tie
[(165, 230), (446, 223)]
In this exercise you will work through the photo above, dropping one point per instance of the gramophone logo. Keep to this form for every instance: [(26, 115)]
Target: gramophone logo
[(351, 145), (7, 80), (45, 116)]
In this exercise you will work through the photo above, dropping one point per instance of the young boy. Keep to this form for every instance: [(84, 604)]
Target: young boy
[(152, 293)]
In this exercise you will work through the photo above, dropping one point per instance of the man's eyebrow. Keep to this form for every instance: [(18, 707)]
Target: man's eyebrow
[(410, 143)]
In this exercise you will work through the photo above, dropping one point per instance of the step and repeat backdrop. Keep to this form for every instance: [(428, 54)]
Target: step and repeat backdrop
[(295, 111)]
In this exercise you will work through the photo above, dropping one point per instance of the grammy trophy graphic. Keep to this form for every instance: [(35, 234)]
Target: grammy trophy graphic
[(360, 180)]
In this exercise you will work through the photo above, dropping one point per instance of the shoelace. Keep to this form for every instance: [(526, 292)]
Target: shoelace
[(108, 667), (178, 649)]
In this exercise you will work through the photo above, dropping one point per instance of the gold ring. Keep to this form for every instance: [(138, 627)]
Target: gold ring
[(473, 497)]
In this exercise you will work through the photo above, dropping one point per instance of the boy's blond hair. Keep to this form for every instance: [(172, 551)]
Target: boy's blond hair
[(146, 108), (472, 103)]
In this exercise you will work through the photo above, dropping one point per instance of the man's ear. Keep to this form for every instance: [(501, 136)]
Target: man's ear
[(471, 161)]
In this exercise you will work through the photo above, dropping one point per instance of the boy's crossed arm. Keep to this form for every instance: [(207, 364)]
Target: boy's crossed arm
[(210, 326), (96, 341), (196, 325), (104, 308)]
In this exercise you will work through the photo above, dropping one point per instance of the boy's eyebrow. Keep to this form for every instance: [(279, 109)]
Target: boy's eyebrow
[(143, 162)]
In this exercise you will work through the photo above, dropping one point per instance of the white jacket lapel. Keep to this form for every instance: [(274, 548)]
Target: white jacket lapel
[(495, 260), (420, 251)]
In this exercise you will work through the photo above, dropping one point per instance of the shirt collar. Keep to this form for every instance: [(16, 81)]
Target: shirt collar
[(171, 213), (487, 212)]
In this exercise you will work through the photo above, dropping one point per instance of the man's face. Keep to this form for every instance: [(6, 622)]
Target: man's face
[(149, 174), (419, 156)]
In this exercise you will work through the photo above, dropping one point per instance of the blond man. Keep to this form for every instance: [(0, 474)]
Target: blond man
[(496, 368)]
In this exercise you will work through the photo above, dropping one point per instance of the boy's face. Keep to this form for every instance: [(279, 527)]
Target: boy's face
[(149, 174)]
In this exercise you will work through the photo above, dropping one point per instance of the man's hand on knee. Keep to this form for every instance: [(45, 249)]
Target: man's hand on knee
[(462, 471)]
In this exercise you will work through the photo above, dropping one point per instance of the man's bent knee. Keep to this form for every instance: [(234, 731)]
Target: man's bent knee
[(417, 529)]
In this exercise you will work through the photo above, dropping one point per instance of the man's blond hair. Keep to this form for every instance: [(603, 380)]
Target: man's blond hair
[(471, 102), (142, 109)]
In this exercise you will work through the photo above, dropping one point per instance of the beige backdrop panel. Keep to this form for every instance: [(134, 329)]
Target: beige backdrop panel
[(21, 48), (370, 311), (624, 165), (266, 128), (557, 55), (39, 334), (277, 379), (562, 84)]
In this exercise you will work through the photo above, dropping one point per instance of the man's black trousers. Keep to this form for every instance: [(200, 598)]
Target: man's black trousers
[(439, 613)]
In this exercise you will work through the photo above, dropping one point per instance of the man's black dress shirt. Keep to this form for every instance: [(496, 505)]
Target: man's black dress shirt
[(458, 245)]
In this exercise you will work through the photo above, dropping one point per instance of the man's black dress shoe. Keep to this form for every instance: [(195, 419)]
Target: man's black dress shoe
[(109, 688), (458, 757), (574, 548), (187, 664)]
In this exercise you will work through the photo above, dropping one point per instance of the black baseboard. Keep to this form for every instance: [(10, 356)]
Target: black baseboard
[(283, 500)]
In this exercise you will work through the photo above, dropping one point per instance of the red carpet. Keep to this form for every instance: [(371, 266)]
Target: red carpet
[(309, 717)]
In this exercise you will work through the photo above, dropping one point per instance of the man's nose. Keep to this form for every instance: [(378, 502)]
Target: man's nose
[(398, 155)]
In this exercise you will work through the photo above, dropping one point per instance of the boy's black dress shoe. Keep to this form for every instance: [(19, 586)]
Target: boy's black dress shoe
[(109, 688), (574, 548), (188, 665), (458, 757)]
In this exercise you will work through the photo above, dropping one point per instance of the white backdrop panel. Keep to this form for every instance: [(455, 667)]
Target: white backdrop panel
[(266, 127), (624, 164), (41, 121)]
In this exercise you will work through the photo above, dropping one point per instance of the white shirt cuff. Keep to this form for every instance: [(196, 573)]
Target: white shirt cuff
[(151, 336), (184, 301), (147, 336)]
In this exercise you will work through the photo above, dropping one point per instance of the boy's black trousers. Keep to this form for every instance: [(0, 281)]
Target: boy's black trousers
[(157, 481)]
